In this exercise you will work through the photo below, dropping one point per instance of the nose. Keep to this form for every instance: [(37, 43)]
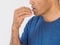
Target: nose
[(31, 2)]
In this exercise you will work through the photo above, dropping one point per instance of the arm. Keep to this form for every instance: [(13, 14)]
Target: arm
[(15, 40), (19, 16)]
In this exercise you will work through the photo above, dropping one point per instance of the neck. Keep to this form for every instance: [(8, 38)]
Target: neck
[(52, 14)]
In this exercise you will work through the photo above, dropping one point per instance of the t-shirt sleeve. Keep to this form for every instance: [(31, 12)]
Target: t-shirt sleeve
[(24, 37)]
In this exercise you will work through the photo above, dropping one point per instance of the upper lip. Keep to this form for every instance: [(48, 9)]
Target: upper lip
[(33, 7)]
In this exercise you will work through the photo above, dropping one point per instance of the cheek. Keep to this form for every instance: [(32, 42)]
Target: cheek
[(41, 8), (42, 5)]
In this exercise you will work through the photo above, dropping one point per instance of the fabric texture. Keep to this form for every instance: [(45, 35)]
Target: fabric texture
[(39, 32)]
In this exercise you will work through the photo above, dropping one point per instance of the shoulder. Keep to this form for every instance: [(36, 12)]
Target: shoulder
[(34, 21)]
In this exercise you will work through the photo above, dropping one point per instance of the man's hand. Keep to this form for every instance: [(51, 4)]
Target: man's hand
[(19, 16)]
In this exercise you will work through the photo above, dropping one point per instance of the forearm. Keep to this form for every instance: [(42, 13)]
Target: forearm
[(15, 40), (19, 16)]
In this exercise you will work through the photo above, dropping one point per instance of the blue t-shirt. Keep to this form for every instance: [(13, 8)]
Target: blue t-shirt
[(40, 32)]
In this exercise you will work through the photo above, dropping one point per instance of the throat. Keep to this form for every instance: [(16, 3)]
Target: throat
[(51, 19), (52, 15)]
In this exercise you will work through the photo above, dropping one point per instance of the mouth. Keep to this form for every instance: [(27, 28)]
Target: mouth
[(33, 9)]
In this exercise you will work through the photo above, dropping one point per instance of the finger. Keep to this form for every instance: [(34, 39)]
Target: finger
[(22, 17), (23, 10), (24, 13)]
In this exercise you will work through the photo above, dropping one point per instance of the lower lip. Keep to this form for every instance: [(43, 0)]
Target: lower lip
[(33, 9)]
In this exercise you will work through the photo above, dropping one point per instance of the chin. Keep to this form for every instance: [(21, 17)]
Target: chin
[(37, 14)]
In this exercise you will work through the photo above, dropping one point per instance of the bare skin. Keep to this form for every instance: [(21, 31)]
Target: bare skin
[(49, 9), (19, 16)]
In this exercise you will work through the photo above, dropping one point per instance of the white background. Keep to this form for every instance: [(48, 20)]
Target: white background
[(7, 8)]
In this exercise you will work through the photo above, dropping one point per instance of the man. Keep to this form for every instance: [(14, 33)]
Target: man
[(43, 28)]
